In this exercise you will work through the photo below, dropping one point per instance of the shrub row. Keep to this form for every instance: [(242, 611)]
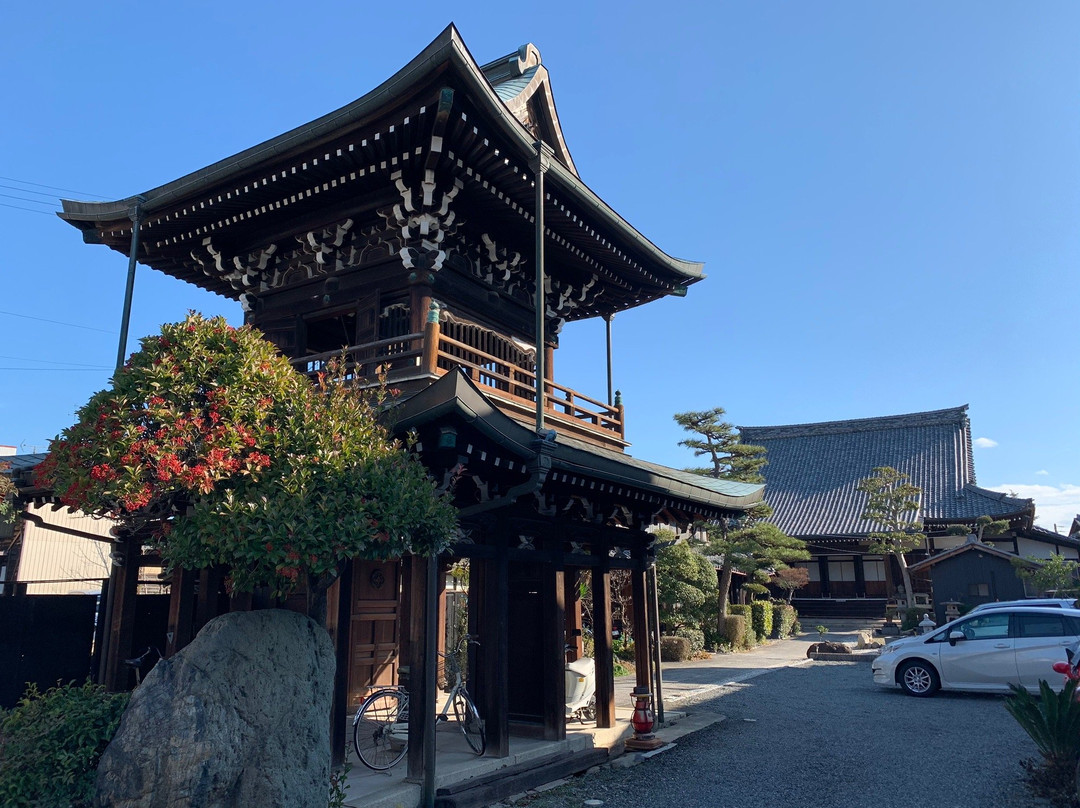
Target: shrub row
[(783, 620), (674, 649), (50, 744)]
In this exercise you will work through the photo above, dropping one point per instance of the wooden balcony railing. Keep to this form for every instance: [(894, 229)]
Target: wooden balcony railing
[(511, 383)]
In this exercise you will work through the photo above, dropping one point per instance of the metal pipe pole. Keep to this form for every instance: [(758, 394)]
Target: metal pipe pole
[(541, 298), (129, 290), (610, 397), (121, 353), (658, 683)]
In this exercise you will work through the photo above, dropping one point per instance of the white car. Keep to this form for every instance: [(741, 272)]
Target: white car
[(983, 651), (1054, 603)]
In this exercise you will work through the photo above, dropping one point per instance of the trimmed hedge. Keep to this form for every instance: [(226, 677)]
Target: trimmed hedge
[(783, 620), (694, 636), (51, 742), (735, 632), (674, 649), (761, 618)]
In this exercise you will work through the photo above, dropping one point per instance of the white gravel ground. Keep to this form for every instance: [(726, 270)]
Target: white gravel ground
[(824, 736)]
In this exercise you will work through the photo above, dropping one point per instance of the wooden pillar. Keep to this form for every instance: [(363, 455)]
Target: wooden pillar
[(572, 605), (429, 361), (338, 623), (554, 643), (602, 653), (181, 610), (860, 577), (639, 596), (823, 575), (122, 625), (207, 606), (420, 700), (489, 599)]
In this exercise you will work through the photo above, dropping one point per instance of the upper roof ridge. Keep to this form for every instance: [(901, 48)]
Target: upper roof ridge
[(951, 415)]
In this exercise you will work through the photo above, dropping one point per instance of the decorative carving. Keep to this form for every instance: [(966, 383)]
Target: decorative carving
[(424, 219), (526, 542), (377, 579)]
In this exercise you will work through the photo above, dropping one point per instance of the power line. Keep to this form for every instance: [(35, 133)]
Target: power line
[(28, 191), (48, 362), (28, 199), (52, 187), (56, 322), (32, 210)]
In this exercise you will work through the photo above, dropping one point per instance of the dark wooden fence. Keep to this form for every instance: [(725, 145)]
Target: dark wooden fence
[(47, 639)]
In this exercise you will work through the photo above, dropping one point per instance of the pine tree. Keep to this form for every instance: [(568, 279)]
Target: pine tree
[(730, 459), (890, 501)]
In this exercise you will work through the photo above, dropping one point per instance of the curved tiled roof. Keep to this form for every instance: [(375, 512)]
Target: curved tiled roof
[(813, 470)]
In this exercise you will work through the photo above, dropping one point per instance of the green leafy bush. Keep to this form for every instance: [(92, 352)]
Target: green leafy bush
[(1053, 722), (51, 742), (912, 618), (735, 632), (674, 649), (694, 636), (783, 620), (761, 618)]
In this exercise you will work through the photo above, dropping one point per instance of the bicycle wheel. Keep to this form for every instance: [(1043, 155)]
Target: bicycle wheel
[(468, 719), (381, 729)]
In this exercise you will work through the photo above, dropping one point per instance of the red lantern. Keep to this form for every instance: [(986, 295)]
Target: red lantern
[(643, 718)]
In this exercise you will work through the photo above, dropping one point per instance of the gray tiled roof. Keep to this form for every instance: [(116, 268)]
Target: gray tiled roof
[(813, 470)]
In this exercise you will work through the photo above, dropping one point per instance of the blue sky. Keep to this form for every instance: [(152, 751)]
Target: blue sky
[(886, 195)]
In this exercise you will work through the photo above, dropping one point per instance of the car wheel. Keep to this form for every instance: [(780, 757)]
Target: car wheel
[(918, 678)]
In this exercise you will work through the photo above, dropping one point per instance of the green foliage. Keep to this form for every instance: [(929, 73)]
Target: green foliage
[(890, 501), (675, 649), (821, 631), (783, 620), (988, 527), (51, 742), (735, 632), (761, 618), (1053, 574), (686, 586), (1052, 721), (957, 530), (758, 549), (730, 459), (911, 619), (623, 649), (212, 441), (695, 637), (339, 784), (743, 610), (7, 495)]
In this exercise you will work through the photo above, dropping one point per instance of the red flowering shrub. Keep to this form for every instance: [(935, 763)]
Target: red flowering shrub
[(212, 442)]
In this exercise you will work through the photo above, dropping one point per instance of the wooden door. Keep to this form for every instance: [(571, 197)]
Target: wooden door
[(374, 656)]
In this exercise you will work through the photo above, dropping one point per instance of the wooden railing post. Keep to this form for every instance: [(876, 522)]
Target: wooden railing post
[(430, 361), (622, 414)]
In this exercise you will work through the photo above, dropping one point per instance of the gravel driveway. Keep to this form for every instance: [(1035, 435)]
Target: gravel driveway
[(825, 735)]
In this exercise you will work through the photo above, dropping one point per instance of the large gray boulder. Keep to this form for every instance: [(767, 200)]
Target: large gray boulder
[(240, 717)]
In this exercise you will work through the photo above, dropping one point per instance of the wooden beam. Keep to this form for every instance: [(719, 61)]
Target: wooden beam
[(339, 623), (181, 610), (489, 605), (122, 626), (639, 597), (554, 642), (602, 653), (418, 695)]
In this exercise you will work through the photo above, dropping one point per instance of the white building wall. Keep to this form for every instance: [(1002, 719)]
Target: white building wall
[(1038, 549), (62, 559)]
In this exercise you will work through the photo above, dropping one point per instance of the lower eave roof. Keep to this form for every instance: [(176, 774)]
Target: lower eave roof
[(455, 395)]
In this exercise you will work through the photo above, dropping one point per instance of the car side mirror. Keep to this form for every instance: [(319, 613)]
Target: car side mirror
[(954, 636)]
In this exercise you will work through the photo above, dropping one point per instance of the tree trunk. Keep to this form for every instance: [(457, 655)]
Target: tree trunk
[(908, 594), (722, 597)]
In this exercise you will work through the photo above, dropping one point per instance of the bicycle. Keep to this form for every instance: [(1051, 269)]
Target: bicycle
[(381, 725)]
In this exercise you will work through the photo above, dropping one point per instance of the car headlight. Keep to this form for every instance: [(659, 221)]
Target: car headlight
[(889, 649)]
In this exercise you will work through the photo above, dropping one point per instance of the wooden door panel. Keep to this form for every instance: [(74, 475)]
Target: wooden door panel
[(373, 659)]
